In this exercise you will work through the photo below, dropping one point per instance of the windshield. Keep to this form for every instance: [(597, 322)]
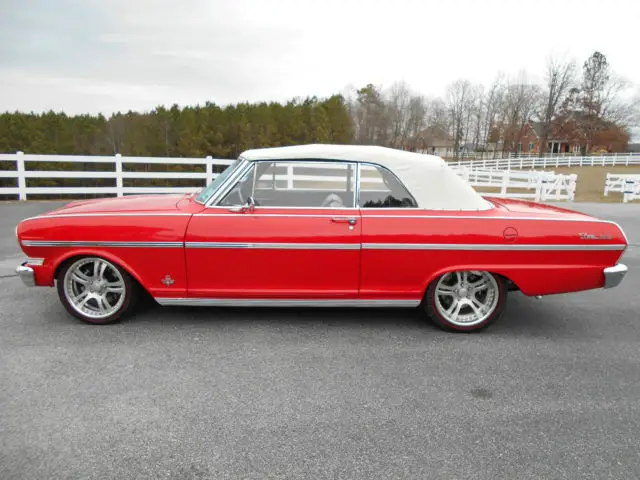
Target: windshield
[(204, 196)]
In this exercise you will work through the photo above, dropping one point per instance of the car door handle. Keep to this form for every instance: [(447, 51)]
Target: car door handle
[(349, 220)]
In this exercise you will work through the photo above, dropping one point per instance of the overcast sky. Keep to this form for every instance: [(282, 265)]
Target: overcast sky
[(107, 55)]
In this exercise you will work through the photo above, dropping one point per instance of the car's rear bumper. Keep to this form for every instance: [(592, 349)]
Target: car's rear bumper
[(614, 275), (26, 274)]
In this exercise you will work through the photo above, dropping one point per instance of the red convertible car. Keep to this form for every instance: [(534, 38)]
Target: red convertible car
[(320, 225)]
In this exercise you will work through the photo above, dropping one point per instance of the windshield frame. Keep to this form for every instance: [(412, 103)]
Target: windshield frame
[(209, 191)]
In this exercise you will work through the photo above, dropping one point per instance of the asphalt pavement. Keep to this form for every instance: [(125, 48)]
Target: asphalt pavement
[(550, 391)]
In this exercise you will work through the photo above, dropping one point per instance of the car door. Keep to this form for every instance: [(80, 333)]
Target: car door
[(299, 237)]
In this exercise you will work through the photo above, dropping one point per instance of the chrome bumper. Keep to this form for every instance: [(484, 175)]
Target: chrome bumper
[(26, 275), (614, 275)]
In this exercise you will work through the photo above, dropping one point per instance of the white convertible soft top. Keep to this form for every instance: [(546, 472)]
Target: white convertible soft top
[(433, 184)]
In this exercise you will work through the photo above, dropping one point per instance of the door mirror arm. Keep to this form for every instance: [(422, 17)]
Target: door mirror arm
[(247, 207)]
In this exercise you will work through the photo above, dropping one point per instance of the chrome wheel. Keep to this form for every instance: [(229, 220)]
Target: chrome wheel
[(466, 298), (94, 287)]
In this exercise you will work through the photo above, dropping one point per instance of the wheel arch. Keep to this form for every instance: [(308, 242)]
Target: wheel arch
[(72, 255), (503, 272)]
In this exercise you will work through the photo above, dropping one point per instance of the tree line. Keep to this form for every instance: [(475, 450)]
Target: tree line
[(222, 132), (589, 105)]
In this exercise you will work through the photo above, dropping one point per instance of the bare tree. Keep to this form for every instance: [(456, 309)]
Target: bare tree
[(520, 101), (560, 79), (492, 105), (603, 99), (398, 99)]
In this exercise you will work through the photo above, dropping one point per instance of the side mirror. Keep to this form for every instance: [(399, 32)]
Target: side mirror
[(247, 207)]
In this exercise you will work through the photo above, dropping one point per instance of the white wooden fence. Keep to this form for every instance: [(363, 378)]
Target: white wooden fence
[(628, 185), (550, 162), (533, 185), (22, 173), (506, 155)]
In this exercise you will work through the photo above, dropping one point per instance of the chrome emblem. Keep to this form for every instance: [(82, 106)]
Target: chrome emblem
[(591, 236), (168, 281)]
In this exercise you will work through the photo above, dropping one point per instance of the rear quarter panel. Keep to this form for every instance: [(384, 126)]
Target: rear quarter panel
[(405, 251)]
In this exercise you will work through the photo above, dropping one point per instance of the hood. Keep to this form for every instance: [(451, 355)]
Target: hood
[(128, 204)]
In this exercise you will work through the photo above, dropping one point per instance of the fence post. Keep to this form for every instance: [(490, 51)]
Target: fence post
[(539, 187), (573, 182), (290, 177), (118, 162), (505, 182), (209, 171), (22, 181)]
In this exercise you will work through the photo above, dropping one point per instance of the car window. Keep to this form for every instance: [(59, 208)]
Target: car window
[(305, 184), (379, 188), (204, 196), (241, 191)]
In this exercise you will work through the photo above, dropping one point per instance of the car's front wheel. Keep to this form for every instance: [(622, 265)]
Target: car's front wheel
[(466, 301), (96, 290)]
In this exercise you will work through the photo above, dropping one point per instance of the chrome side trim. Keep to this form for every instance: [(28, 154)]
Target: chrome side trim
[(79, 215), (26, 275), (259, 302), (474, 246), (614, 275), (480, 217), (285, 246), (34, 261), (74, 243)]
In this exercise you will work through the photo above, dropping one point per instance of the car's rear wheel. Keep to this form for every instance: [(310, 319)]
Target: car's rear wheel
[(466, 301), (96, 290)]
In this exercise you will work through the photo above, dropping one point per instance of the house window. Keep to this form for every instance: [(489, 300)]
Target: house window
[(576, 148), (531, 147), (519, 147)]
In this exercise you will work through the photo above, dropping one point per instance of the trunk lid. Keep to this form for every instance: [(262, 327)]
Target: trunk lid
[(523, 208)]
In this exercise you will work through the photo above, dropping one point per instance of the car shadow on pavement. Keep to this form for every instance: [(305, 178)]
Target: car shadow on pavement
[(283, 315), (524, 316)]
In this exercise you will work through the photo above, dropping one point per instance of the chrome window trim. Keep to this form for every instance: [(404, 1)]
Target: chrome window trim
[(114, 244), (258, 207), (495, 247), (276, 246), (250, 215), (229, 182), (218, 197), (267, 302), (356, 199)]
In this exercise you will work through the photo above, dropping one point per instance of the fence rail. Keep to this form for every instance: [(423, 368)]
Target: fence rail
[(533, 185), (118, 173), (506, 155), (551, 162), (524, 184), (628, 185)]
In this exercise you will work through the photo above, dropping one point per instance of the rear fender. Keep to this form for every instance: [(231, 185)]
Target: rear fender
[(537, 279)]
